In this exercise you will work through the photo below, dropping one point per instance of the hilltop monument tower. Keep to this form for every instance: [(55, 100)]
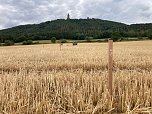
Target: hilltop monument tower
[(68, 16)]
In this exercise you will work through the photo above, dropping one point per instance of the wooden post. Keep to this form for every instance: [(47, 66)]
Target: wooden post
[(110, 65), (60, 46)]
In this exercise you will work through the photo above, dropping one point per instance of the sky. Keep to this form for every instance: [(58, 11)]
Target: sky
[(21, 12)]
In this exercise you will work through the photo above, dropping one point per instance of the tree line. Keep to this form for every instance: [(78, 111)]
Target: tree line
[(75, 29)]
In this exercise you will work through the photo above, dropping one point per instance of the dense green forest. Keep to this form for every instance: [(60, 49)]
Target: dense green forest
[(74, 29)]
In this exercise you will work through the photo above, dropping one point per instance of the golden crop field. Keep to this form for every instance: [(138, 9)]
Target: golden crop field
[(44, 80)]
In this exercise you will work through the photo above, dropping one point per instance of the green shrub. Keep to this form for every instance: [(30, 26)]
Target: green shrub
[(53, 40), (115, 36), (8, 43), (29, 42), (63, 41), (24, 42)]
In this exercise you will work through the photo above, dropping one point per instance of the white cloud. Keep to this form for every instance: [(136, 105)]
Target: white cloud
[(16, 12)]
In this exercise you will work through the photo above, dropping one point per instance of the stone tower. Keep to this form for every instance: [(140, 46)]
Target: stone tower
[(68, 16)]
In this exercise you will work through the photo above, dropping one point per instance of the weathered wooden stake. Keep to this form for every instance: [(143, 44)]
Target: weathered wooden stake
[(60, 46), (110, 65)]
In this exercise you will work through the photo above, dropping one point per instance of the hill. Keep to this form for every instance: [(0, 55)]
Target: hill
[(75, 29)]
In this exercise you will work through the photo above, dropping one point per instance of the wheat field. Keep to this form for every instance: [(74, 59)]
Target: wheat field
[(41, 79)]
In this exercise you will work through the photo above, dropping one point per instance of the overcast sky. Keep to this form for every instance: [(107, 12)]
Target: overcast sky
[(17, 12)]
